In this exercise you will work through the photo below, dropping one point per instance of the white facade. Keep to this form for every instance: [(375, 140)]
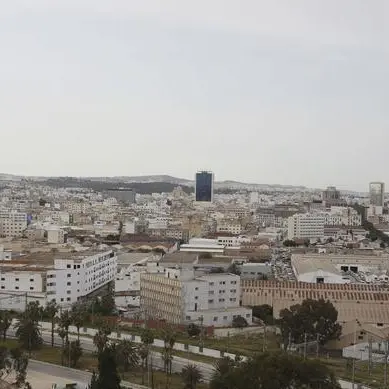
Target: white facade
[(12, 223), (306, 226), (342, 216), (179, 296), (232, 241), (23, 281), (229, 226), (72, 279), (56, 236)]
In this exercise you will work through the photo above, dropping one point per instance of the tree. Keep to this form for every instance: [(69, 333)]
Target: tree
[(101, 339), (191, 376), (62, 335), (264, 312), (108, 374), (314, 319), (193, 329), (169, 339), (106, 304), (13, 362), (78, 317), (143, 354), (50, 312), (147, 338), (5, 323), (224, 376), (382, 245), (28, 329), (239, 322), (94, 384), (289, 243), (276, 370), (75, 352), (64, 322), (234, 269), (127, 355)]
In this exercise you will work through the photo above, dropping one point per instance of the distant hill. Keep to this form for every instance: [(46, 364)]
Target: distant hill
[(145, 184), (101, 186)]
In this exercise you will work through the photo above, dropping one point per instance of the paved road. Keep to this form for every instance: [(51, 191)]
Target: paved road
[(83, 377)]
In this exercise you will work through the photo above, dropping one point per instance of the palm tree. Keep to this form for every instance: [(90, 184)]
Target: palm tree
[(191, 376), (50, 312), (64, 322), (79, 317), (169, 339), (28, 332), (143, 354), (62, 335), (5, 323), (100, 339), (127, 355)]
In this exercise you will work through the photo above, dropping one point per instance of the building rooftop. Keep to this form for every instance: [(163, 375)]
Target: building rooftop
[(306, 264)]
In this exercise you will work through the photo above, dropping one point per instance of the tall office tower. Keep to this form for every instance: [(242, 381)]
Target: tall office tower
[(204, 186), (377, 193)]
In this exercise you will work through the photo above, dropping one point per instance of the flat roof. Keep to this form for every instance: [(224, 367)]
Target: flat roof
[(303, 265)]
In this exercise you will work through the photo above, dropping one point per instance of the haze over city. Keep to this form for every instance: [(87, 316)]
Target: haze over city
[(256, 91)]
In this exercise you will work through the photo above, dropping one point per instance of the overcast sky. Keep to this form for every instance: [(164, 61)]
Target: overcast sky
[(276, 91)]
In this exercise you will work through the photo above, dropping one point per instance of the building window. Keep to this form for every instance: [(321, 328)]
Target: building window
[(196, 297), (16, 287), (211, 284), (69, 275), (380, 324), (61, 299), (225, 317), (31, 288), (196, 288), (2, 279), (68, 283), (68, 299), (248, 315), (68, 266), (68, 292), (2, 287), (16, 279), (211, 292), (210, 301), (187, 318), (215, 318), (31, 280)]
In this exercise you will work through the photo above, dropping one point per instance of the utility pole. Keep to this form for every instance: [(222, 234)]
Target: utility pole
[(317, 345), (264, 339), (201, 331), (386, 365), (289, 341), (355, 342), (305, 345), (369, 366)]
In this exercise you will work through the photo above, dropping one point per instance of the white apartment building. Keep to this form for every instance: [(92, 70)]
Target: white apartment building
[(232, 241), (80, 275), (12, 223), (306, 226), (343, 216), (56, 236), (230, 226), (179, 296)]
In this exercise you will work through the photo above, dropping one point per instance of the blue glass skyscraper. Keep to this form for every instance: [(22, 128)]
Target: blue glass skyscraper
[(204, 186)]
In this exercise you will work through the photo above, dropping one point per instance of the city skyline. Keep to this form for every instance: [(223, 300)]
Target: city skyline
[(257, 95)]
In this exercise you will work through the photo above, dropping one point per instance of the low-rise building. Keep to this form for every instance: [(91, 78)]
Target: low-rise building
[(306, 226), (179, 296), (367, 303)]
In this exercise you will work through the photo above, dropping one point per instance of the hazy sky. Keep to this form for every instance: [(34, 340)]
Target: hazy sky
[(277, 91)]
